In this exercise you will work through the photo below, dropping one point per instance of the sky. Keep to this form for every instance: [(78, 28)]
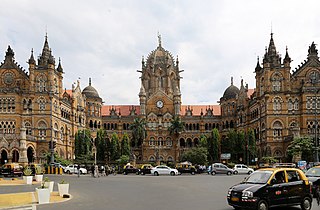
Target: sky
[(105, 40)]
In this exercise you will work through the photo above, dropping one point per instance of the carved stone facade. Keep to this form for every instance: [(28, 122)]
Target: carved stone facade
[(34, 107)]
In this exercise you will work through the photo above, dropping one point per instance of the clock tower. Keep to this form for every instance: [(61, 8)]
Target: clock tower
[(160, 101)]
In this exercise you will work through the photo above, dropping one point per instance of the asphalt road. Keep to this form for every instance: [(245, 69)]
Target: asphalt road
[(136, 192)]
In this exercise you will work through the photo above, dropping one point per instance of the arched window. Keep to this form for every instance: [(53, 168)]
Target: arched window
[(276, 82), (42, 83), (277, 130), (27, 125), (42, 129), (261, 86), (277, 104)]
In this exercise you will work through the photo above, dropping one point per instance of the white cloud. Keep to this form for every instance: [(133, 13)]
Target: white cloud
[(105, 40)]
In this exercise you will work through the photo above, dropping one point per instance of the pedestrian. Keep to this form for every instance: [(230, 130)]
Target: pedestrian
[(78, 167), (92, 170), (103, 171), (96, 171)]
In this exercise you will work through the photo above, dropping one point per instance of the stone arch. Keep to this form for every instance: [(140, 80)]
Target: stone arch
[(15, 155), (196, 142), (268, 151), (152, 158), (31, 154), (277, 153), (182, 142), (4, 156), (189, 142)]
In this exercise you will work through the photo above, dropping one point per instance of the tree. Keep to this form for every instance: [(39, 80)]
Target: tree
[(83, 146), (213, 146), (251, 147), (203, 141), (114, 147), (301, 146), (101, 145), (175, 130), (197, 155), (125, 146), (138, 128)]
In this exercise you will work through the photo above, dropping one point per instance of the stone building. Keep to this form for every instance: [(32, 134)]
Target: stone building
[(35, 109)]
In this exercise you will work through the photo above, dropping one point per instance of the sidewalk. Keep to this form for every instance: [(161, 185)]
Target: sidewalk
[(13, 200)]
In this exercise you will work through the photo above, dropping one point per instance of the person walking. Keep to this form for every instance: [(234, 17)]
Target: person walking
[(78, 167), (92, 170)]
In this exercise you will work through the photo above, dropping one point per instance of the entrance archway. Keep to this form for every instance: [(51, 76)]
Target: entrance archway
[(4, 157), (15, 156), (30, 155)]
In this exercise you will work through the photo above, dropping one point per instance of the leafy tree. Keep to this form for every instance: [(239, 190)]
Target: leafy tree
[(125, 146), (203, 141), (101, 145), (197, 155), (301, 146), (175, 130), (252, 149), (213, 146), (114, 147), (83, 146), (138, 128), (239, 146)]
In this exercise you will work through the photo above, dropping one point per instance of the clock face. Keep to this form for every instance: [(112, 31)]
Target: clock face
[(8, 78), (159, 104)]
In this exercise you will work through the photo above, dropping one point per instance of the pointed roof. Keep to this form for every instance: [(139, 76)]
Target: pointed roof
[(31, 59), (258, 67), (271, 54), (287, 58), (46, 53), (59, 68), (312, 52), (272, 48)]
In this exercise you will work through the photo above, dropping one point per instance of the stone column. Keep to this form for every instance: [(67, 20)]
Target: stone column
[(23, 158)]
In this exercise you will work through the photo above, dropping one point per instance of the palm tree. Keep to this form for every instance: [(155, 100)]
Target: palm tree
[(175, 130), (138, 128)]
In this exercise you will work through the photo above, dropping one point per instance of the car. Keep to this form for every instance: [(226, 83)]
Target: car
[(164, 170), (73, 169), (145, 169), (129, 169), (271, 187), (57, 165), (186, 167), (219, 168), (12, 169), (242, 169), (313, 174)]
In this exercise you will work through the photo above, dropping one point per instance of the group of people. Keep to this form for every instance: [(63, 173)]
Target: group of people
[(97, 171)]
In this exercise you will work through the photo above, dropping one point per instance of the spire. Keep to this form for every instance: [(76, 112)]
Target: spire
[(312, 52), (159, 40), (287, 58), (177, 61), (31, 59), (59, 68), (89, 81), (272, 48), (46, 52), (258, 67), (9, 54), (231, 80)]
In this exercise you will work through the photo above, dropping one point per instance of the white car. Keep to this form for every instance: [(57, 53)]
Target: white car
[(242, 169), (164, 170), (73, 169)]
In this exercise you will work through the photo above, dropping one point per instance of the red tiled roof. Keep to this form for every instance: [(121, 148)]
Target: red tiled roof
[(250, 92), (125, 109), (69, 92)]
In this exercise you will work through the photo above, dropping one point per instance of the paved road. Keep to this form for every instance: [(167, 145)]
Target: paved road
[(132, 192)]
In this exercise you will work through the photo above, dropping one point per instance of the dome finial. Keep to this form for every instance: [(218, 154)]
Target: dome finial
[(231, 80), (89, 81), (159, 39)]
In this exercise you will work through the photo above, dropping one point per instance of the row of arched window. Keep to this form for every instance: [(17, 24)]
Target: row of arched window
[(7, 105), (7, 127)]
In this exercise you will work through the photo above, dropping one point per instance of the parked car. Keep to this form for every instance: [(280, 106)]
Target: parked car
[(219, 168), (242, 169), (145, 169), (57, 165), (313, 174), (186, 167), (73, 169), (12, 169), (129, 169), (270, 187), (164, 170)]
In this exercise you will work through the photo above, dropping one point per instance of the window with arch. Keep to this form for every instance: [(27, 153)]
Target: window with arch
[(42, 104), (62, 134), (290, 104), (277, 130), (151, 142), (42, 83), (42, 129), (27, 125), (261, 86), (296, 104), (277, 104), (276, 82), (56, 131)]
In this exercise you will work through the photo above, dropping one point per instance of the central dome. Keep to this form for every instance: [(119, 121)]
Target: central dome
[(90, 92), (231, 92)]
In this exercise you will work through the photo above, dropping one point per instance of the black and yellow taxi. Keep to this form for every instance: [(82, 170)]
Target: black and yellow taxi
[(145, 169), (186, 167), (12, 169), (271, 187)]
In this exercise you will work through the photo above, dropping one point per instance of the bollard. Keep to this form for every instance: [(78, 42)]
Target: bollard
[(56, 169), (48, 170), (52, 170), (61, 172)]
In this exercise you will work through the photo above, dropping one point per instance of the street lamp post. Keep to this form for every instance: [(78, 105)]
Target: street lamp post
[(314, 81)]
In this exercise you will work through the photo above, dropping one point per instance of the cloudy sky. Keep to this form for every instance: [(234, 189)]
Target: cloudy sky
[(106, 39)]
